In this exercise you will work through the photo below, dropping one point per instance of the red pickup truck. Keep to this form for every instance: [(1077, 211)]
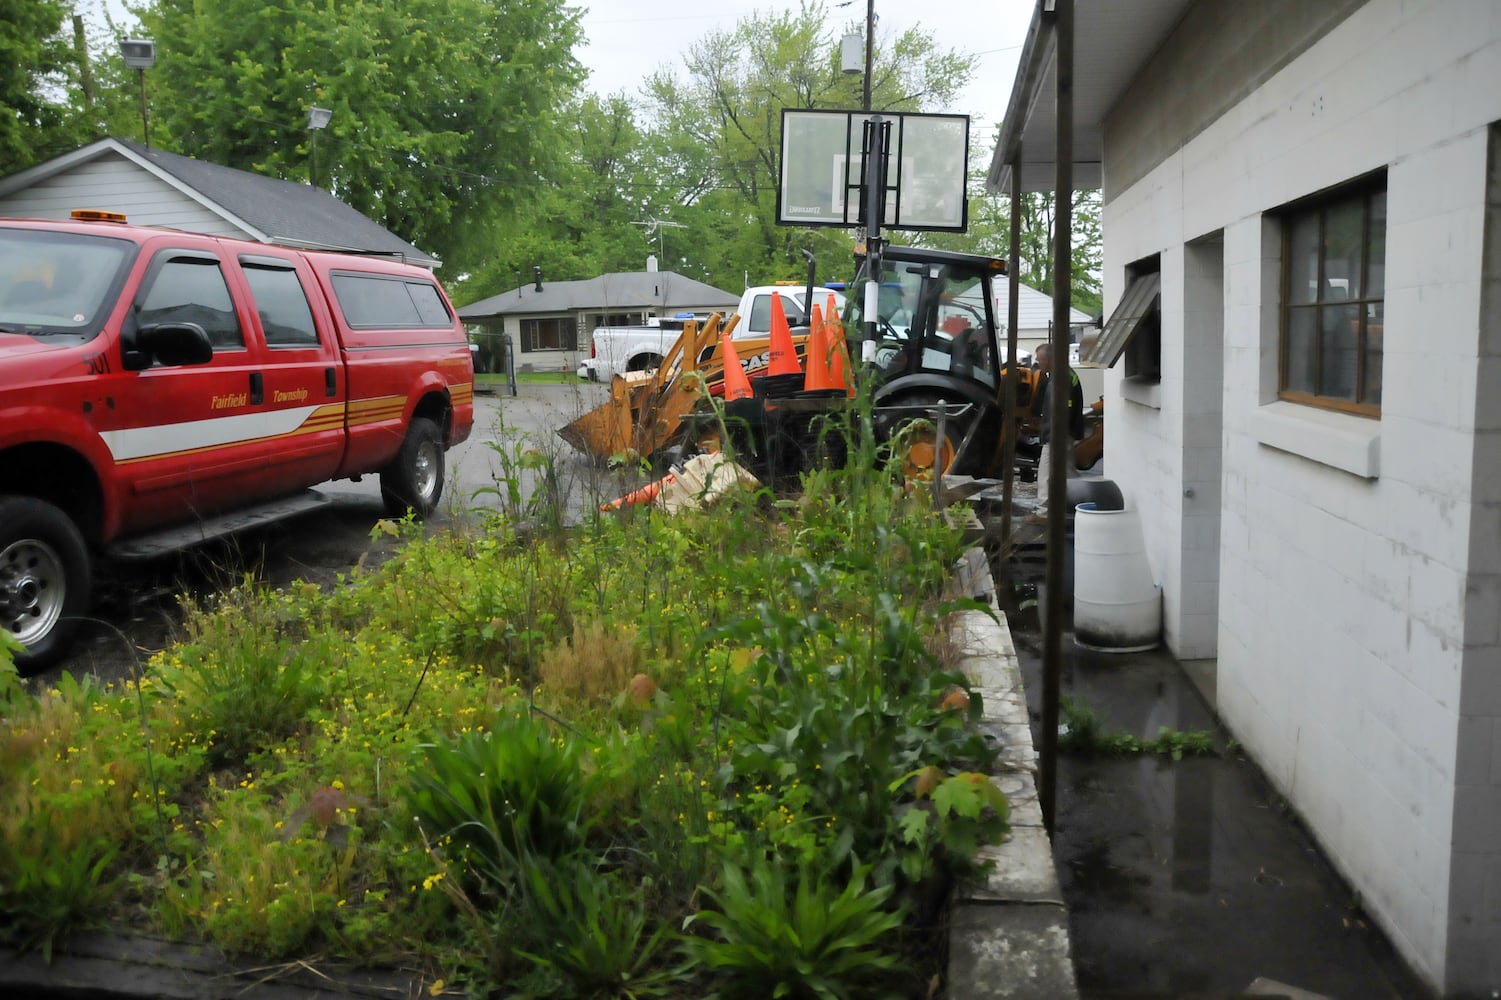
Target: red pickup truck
[(158, 388)]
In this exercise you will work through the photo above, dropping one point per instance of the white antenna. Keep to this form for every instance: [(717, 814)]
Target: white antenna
[(652, 227)]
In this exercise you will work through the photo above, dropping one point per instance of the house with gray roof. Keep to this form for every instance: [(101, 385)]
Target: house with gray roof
[(551, 323), (155, 188)]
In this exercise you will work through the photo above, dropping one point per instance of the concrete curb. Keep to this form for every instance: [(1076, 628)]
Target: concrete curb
[(1008, 935)]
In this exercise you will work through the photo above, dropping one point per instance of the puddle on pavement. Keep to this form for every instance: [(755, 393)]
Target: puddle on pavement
[(1189, 876)]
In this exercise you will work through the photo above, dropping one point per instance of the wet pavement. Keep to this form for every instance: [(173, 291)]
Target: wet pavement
[(1191, 877)]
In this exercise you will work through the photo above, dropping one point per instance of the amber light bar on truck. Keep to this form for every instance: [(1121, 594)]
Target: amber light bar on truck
[(96, 215)]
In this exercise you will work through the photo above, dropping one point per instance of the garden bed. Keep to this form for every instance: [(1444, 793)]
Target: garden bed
[(659, 757)]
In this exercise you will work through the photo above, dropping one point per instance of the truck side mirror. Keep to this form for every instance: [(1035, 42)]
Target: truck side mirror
[(169, 344)]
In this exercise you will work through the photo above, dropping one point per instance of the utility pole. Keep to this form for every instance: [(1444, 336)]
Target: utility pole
[(870, 48)]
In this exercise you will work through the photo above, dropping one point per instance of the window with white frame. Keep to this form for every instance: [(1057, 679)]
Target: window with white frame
[(1333, 298)]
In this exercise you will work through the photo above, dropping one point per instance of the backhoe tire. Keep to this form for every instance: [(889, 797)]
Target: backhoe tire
[(915, 438), (44, 579), (414, 479)]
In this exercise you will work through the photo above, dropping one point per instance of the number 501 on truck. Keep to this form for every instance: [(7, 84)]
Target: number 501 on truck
[(160, 387)]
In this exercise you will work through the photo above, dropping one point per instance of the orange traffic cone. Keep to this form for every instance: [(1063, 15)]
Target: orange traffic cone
[(819, 377), (783, 353), (839, 368), (640, 495), (736, 385)]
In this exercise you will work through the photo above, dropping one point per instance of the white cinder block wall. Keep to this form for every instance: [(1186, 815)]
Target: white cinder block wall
[(1359, 561)]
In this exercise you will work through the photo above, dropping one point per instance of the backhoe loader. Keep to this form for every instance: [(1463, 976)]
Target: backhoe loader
[(935, 354)]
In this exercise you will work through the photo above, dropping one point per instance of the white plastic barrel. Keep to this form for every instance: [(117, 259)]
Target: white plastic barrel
[(1117, 605)]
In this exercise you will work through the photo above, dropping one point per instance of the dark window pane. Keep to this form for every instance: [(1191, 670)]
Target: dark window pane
[(1376, 255), (192, 290), (1340, 352), (1303, 259), (1301, 343), (1344, 227), (286, 319), (368, 301), (760, 317), (430, 305)]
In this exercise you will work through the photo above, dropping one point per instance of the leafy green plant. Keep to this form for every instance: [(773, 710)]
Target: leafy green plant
[(952, 817), (247, 674), (588, 934), (810, 940), (53, 890), (492, 800), (1083, 732)]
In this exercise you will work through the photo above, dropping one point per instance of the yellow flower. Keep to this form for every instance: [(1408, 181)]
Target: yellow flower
[(435, 988)]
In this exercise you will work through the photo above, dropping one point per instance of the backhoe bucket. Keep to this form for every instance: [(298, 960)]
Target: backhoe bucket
[(645, 409), (610, 428)]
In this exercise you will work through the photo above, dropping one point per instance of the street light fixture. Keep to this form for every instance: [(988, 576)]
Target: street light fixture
[(140, 55), (317, 120)]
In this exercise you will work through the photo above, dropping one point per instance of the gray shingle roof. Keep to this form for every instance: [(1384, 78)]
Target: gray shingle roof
[(276, 211), (628, 290)]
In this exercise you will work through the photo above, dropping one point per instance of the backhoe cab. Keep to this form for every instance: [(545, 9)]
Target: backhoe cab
[(936, 343)]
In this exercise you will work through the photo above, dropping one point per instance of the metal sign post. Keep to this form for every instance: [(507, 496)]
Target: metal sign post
[(873, 210)]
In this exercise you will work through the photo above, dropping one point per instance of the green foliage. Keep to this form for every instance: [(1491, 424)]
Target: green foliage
[(716, 686), (443, 110), (53, 889), (248, 674), (34, 58), (494, 801), (587, 934), (814, 939), (1086, 734)]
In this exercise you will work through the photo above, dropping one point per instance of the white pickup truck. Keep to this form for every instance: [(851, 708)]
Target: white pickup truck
[(619, 349)]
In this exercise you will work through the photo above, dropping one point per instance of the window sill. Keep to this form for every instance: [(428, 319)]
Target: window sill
[(1142, 392), (1339, 440)]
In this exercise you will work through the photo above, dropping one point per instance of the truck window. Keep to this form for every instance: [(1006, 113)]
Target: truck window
[(59, 282), (192, 290), (372, 301), (429, 305), (286, 317)]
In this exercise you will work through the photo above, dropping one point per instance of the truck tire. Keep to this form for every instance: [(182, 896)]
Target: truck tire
[(414, 479), (645, 363), (44, 579)]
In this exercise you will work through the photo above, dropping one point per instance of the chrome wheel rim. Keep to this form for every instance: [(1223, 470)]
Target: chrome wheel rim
[(425, 471), (33, 589)]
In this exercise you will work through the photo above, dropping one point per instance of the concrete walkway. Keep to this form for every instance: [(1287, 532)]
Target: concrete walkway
[(1193, 878)]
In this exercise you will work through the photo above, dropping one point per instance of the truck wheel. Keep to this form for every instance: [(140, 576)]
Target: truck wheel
[(44, 579), (414, 479), (645, 363)]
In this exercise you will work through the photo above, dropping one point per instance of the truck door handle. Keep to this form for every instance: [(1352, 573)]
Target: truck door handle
[(330, 382), (257, 388)]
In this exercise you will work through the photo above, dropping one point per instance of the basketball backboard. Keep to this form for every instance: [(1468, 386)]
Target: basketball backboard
[(823, 169)]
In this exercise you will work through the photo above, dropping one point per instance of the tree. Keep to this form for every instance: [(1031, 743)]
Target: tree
[(443, 110), (720, 130), (578, 221), (34, 65)]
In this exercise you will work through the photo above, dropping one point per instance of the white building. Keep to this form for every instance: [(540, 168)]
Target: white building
[(1321, 500), (1034, 323)]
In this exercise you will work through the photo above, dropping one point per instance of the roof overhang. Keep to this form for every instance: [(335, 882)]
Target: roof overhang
[(1113, 39)]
